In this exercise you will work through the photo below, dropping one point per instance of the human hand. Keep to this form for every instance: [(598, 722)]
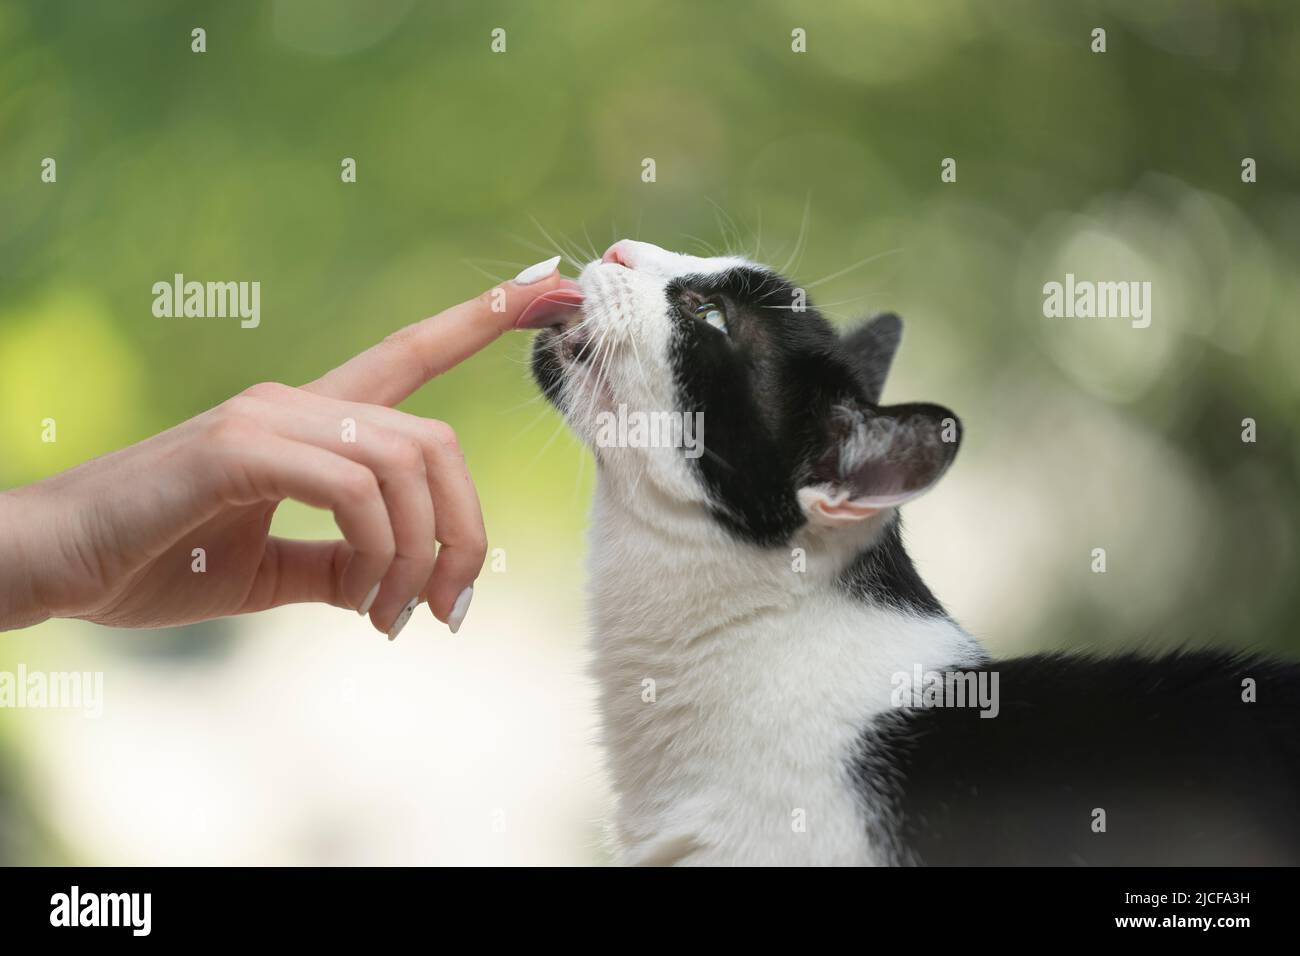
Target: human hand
[(114, 540)]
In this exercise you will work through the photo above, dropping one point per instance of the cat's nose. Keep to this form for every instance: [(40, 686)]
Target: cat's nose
[(619, 253)]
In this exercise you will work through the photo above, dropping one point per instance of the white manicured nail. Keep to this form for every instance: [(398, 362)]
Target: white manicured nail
[(364, 609), (538, 272), (459, 609), (402, 618)]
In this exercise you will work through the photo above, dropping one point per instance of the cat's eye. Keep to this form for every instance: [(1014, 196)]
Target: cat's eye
[(712, 313)]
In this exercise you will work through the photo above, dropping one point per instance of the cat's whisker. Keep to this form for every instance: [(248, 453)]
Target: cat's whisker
[(604, 348), (799, 242), (825, 307), (536, 247), (492, 276), (575, 256), (738, 247), (521, 362), (642, 377), (582, 414), (532, 424), (559, 427), (716, 457), (546, 251), (539, 397), (636, 481), (724, 221), (586, 253), (591, 246), (557, 246), (513, 267), (857, 265), (576, 253), (705, 246)]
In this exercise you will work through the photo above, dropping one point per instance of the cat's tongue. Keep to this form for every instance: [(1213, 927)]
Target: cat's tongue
[(552, 308)]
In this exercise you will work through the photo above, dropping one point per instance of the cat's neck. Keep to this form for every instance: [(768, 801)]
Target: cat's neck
[(663, 572), (719, 663)]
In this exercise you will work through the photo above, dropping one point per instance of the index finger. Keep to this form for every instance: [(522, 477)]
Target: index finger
[(386, 373)]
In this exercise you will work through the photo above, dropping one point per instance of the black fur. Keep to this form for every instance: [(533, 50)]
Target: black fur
[(885, 575), (1185, 770), (768, 390), (764, 389)]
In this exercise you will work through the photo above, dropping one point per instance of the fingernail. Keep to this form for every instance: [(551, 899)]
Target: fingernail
[(459, 609), (538, 272), (364, 609), (402, 618)]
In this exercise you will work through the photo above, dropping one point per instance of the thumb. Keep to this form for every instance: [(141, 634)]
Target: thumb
[(298, 572)]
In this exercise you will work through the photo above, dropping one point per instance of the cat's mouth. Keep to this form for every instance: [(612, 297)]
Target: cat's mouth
[(559, 306), (569, 336), (573, 350), (576, 351), (559, 317), (576, 343)]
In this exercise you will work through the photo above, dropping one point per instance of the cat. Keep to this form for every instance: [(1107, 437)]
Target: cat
[(756, 621)]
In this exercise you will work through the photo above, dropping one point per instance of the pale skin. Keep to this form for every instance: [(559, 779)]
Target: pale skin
[(111, 541)]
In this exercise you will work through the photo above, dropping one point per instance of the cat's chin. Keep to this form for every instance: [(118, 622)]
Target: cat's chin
[(587, 396)]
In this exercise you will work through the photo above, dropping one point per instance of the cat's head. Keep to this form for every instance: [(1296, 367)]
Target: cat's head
[(713, 385)]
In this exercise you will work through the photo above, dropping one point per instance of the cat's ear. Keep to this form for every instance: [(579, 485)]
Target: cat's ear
[(870, 349), (878, 458)]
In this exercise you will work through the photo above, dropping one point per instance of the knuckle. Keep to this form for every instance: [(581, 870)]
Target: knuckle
[(231, 430), (407, 346), (423, 554), (410, 456), (406, 334), (478, 550), (400, 339), (239, 407), (384, 554), (445, 436), (267, 391), (400, 455), (358, 486)]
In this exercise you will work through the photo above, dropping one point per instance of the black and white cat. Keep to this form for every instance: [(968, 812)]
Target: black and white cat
[(753, 608)]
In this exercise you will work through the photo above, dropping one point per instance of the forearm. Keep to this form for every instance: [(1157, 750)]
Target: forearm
[(20, 603)]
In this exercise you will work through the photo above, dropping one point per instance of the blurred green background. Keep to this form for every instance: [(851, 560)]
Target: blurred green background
[(295, 737)]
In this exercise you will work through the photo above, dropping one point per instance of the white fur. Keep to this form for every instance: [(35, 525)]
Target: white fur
[(764, 677)]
